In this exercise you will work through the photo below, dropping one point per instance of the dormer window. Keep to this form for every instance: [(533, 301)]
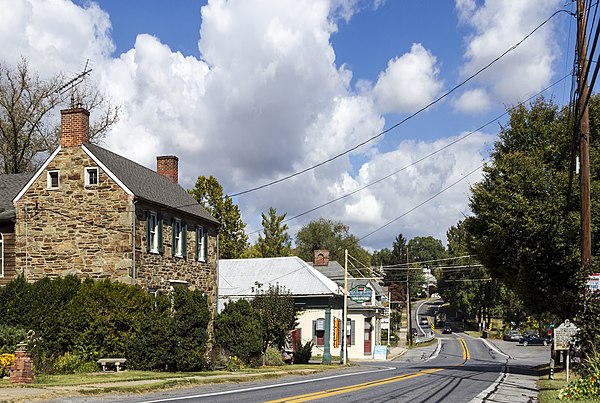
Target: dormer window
[(91, 176), (53, 179)]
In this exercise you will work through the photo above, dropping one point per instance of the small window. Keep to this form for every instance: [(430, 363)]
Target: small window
[(177, 237), (319, 332), (201, 243), (153, 232), (91, 176), (53, 179)]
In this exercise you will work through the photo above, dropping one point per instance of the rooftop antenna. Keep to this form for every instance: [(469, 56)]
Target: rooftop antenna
[(72, 83)]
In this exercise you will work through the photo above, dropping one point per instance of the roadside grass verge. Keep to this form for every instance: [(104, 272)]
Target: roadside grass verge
[(143, 380), (549, 388)]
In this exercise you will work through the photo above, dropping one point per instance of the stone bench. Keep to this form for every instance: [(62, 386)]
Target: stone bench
[(116, 361)]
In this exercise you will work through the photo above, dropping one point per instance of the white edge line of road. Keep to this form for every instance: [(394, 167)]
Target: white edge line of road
[(228, 392), (417, 312), (437, 350), (492, 347), (481, 397)]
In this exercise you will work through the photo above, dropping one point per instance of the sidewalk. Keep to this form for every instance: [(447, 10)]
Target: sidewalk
[(518, 383)]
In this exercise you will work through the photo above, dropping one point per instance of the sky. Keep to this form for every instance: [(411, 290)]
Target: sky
[(252, 91)]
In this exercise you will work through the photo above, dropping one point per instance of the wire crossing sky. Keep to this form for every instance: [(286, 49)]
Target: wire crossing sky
[(252, 91)]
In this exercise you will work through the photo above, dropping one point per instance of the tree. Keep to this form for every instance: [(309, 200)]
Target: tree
[(277, 241), (333, 236), (233, 241), (276, 310), (238, 330), (524, 229), (395, 276), (27, 105)]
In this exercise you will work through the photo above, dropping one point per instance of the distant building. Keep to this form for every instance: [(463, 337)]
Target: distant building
[(313, 291)]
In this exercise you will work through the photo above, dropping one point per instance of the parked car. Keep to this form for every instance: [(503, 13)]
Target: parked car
[(414, 332), (534, 339), (424, 322), (512, 335), (447, 330)]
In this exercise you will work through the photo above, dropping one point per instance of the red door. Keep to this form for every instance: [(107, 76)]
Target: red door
[(368, 331)]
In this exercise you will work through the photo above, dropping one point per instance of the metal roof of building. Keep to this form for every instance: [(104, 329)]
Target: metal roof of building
[(241, 277)]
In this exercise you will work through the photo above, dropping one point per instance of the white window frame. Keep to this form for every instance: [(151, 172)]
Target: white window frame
[(178, 231), (1, 255), (87, 176), (153, 225), (49, 179), (200, 243)]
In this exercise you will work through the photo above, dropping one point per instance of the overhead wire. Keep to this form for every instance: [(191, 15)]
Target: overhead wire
[(423, 202), (459, 139), (347, 151)]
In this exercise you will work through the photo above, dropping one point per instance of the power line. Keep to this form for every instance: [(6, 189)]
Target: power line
[(403, 120), (423, 202), (461, 138), (427, 261)]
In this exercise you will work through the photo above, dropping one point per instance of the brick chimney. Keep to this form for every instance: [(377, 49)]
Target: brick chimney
[(168, 165), (321, 257), (74, 127)]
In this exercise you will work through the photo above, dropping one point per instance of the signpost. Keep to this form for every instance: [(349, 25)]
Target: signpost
[(563, 334), (360, 294)]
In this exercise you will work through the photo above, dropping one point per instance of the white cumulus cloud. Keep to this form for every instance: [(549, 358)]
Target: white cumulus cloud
[(410, 81)]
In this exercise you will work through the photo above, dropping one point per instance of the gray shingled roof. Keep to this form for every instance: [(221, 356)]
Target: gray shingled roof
[(10, 186), (148, 184)]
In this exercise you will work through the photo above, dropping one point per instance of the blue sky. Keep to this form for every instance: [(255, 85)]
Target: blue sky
[(254, 90)]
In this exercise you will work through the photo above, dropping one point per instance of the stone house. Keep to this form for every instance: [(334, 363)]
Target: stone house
[(10, 185), (90, 212)]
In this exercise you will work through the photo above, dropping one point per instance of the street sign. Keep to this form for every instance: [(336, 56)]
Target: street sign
[(360, 294), (594, 282), (563, 335)]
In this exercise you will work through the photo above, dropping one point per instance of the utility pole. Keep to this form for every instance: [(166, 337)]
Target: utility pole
[(584, 140), (344, 352), (409, 314)]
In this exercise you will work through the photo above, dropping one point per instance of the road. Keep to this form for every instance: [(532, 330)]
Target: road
[(458, 368)]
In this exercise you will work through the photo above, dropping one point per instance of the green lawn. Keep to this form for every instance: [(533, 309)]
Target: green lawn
[(98, 378), (548, 389)]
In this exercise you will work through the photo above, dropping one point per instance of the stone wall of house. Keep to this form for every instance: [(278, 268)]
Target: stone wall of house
[(8, 259), (74, 229), (155, 270)]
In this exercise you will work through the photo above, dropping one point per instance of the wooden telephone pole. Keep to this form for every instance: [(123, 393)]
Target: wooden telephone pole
[(584, 139)]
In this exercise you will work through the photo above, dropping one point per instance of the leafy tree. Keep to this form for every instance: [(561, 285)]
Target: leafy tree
[(333, 236), (173, 333), (521, 230), (27, 105), (277, 313), (277, 241), (382, 257), (239, 331), (233, 241), (101, 323)]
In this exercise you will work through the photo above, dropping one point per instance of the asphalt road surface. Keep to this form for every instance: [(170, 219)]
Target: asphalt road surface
[(458, 368)]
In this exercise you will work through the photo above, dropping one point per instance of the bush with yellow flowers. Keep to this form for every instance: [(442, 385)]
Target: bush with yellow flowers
[(6, 362)]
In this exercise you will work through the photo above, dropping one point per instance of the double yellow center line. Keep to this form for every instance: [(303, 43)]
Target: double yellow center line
[(347, 389), (465, 350)]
